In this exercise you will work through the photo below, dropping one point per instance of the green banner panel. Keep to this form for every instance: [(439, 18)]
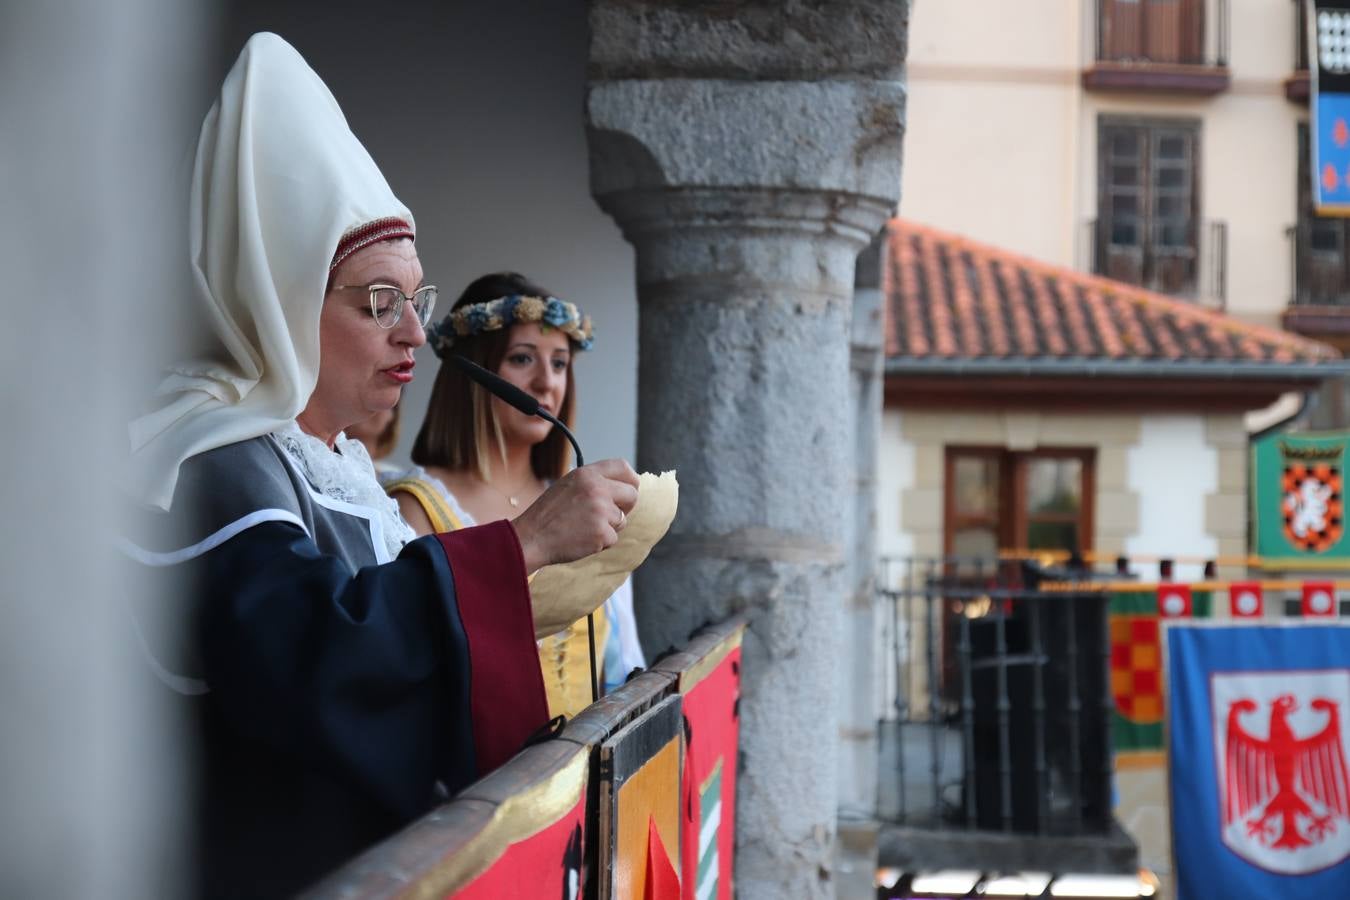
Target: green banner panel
[(1297, 499)]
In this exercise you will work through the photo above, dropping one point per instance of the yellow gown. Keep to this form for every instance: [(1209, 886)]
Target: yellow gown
[(564, 657)]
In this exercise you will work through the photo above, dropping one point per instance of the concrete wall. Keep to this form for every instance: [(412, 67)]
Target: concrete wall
[(994, 107), (896, 476), (1003, 144), (474, 114), (1172, 471)]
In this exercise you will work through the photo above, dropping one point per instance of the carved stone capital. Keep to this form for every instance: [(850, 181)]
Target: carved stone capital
[(772, 149)]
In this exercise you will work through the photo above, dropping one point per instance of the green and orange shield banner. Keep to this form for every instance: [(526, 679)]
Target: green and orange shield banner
[(1298, 505)]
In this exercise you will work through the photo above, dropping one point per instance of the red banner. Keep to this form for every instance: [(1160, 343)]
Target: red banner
[(1246, 600), (1174, 601), (1319, 599)]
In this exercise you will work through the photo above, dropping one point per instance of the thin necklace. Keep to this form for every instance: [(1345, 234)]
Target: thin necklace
[(514, 501)]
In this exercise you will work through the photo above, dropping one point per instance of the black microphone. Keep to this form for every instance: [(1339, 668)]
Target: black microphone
[(505, 390)]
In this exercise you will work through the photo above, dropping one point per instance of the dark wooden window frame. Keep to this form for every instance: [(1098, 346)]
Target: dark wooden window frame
[(1012, 528), (1149, 125)]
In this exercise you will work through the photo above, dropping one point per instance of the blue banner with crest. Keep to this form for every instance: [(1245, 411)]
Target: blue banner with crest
[(1258, 731), (1328, 40)]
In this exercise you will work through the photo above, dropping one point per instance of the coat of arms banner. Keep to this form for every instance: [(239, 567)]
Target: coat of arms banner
[(1258, 726), (1298, 514), (1328, 41)]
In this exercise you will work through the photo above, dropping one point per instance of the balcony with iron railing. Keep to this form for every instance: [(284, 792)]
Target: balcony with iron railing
[(1173, 46), (1186, 259), (996, 738), (1319, 303)]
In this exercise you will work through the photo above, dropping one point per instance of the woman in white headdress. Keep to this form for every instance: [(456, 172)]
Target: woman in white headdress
[(344, 673)]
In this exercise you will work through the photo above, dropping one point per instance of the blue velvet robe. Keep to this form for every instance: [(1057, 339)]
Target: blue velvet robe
[(335, 696)]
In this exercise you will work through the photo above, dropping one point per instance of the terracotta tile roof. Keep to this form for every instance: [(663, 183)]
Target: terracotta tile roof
[(951, 299)]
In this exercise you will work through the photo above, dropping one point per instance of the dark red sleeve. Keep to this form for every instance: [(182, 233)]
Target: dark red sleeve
[(506, 687)]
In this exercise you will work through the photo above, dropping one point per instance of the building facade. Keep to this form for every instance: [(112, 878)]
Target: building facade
[(1030, 406), (1153, 142)]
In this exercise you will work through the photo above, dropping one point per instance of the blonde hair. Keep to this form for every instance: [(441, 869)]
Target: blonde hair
[(460, 430)]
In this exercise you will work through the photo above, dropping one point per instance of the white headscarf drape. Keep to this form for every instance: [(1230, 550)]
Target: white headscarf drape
[(278, 179)]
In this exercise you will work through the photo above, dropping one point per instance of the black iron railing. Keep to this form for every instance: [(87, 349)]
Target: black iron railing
[(1162, 32), (1321, 265), (1188, 260), (999, 713)]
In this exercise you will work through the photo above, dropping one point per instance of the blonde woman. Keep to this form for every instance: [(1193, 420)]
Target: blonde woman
[(479, 460)]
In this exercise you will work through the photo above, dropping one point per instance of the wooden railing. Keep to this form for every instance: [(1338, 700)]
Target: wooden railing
[(616, 801)]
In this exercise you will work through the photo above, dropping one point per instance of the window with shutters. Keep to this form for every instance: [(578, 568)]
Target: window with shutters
[(1157, 31), (1170, 46), (1000, 499), (1321, 244), (1148, 223)]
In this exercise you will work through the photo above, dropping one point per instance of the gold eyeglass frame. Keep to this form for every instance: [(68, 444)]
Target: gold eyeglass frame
[(403, 298)]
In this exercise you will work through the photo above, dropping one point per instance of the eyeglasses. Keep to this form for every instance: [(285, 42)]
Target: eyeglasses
[(386, 302)]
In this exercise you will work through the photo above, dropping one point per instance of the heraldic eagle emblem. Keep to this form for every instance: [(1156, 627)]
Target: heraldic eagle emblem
[(1289, 791)]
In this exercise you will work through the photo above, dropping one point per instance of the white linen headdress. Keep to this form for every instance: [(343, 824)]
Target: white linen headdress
[(278, 180)]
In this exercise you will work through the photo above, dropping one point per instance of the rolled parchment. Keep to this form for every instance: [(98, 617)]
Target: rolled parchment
[(566, 592)]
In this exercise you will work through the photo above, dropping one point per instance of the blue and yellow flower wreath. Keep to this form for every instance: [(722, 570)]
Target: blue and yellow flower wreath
[(503, 312)]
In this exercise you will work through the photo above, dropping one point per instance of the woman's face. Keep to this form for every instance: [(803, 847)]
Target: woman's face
[(363, 367), (536, 361)]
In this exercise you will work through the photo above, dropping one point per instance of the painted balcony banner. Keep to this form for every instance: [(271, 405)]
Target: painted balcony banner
[(1136, 673), (1298, 501), (1329, 64), (1258, 730)]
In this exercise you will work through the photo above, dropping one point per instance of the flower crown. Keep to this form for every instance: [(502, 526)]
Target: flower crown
[(503, 312)]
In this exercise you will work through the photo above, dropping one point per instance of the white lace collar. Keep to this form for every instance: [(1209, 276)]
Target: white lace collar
[(347, 475)]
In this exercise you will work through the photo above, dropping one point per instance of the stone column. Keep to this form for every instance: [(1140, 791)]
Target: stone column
[(749, 150), (859, 686), (858, 682)]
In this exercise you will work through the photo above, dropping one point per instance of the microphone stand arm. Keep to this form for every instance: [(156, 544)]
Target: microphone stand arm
[(567, 432), (590, 617), (499, 387)]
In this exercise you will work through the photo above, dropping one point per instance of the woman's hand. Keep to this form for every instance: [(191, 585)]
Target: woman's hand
[(580, 514)]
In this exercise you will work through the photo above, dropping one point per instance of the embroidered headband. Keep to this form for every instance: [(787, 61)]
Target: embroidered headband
[(503, 312), (361, 237)]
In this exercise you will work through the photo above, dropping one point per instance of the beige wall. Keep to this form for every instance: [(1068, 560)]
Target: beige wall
[(1002, 139), (1206, 452)]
